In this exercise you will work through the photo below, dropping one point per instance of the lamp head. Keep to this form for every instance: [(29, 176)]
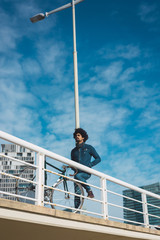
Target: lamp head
[(37, 17)]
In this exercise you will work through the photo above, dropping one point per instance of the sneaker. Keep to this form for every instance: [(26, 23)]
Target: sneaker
[(90, 194)]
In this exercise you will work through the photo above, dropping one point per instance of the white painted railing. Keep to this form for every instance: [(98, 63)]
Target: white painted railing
[(103, 192)]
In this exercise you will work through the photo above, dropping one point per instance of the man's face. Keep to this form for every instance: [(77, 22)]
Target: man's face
[(79, 138)]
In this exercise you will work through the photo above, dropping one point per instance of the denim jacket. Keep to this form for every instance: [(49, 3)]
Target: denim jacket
[(83, 153)]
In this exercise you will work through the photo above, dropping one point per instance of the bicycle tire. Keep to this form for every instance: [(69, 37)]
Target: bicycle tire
[(25, 189), (61, 198)]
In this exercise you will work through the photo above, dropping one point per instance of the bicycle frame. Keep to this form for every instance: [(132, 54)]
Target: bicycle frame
[(62, 172), (49, 164)]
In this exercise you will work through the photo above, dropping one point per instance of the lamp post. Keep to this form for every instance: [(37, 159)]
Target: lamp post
[(42, 16)]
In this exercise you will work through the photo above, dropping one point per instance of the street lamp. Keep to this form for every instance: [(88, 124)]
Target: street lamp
[(42, 16)]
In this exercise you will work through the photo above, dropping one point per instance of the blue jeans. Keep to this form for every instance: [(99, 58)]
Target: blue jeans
[(81, 176)]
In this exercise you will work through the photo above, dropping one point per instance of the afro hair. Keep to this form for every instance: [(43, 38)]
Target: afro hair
[(82, 132)]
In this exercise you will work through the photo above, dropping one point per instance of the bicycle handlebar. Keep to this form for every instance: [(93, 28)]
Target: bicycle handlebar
[(73, 168)]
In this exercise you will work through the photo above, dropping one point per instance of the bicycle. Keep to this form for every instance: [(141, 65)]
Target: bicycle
[(61, 195)]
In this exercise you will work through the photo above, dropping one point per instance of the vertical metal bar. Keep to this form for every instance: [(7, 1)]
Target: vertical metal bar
[(104, 198), (76, 94), (40, 179), (145, 210), (45, 173)]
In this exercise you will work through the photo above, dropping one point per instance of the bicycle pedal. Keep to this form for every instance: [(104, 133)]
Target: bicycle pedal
[(67, 197)]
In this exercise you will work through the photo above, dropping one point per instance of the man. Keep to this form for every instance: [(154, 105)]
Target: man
[(82, 154)]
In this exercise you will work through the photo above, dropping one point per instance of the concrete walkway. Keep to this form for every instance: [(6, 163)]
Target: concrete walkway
[(21, 221)]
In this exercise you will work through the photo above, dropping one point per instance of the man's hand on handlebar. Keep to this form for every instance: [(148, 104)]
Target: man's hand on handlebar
[(73, 168)]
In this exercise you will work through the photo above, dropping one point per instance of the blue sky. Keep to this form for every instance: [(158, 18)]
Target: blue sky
[(119, 80)]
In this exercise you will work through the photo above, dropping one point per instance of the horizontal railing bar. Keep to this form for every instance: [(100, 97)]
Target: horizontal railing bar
[(18, 196), (152, 215), (129, 209), (149, 204), (132, 199), (118, 194), (17, 160), (16, 177), (74, 194), (126, 220), (69, 162), (73, 179), (60, 190)]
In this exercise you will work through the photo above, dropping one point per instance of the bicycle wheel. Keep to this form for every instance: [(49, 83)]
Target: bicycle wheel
[(24, 188), (66, 200)]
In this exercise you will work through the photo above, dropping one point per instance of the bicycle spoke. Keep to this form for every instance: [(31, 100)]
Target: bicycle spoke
[(63, 195)]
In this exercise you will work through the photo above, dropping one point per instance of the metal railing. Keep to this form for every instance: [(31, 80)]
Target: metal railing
[(99, 206)]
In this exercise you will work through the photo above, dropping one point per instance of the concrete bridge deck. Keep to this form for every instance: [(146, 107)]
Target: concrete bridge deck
[(24, 221)]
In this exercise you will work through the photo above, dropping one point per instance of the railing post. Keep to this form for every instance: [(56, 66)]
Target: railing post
[(145, 210), (104, 198), (40, 180)]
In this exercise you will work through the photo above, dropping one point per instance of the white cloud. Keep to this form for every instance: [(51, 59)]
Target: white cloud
[(104, 78), (98, 117), (62, 146), (137, 95), (10, 67), (8, 39), (112, 72), (9, 34), (134, 166), (150, 116), (31, 68), (116, 76), (127, 74), (129, 52), (116, 138), (52, 57), (25, 10), (148, 13), (17, 106)]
